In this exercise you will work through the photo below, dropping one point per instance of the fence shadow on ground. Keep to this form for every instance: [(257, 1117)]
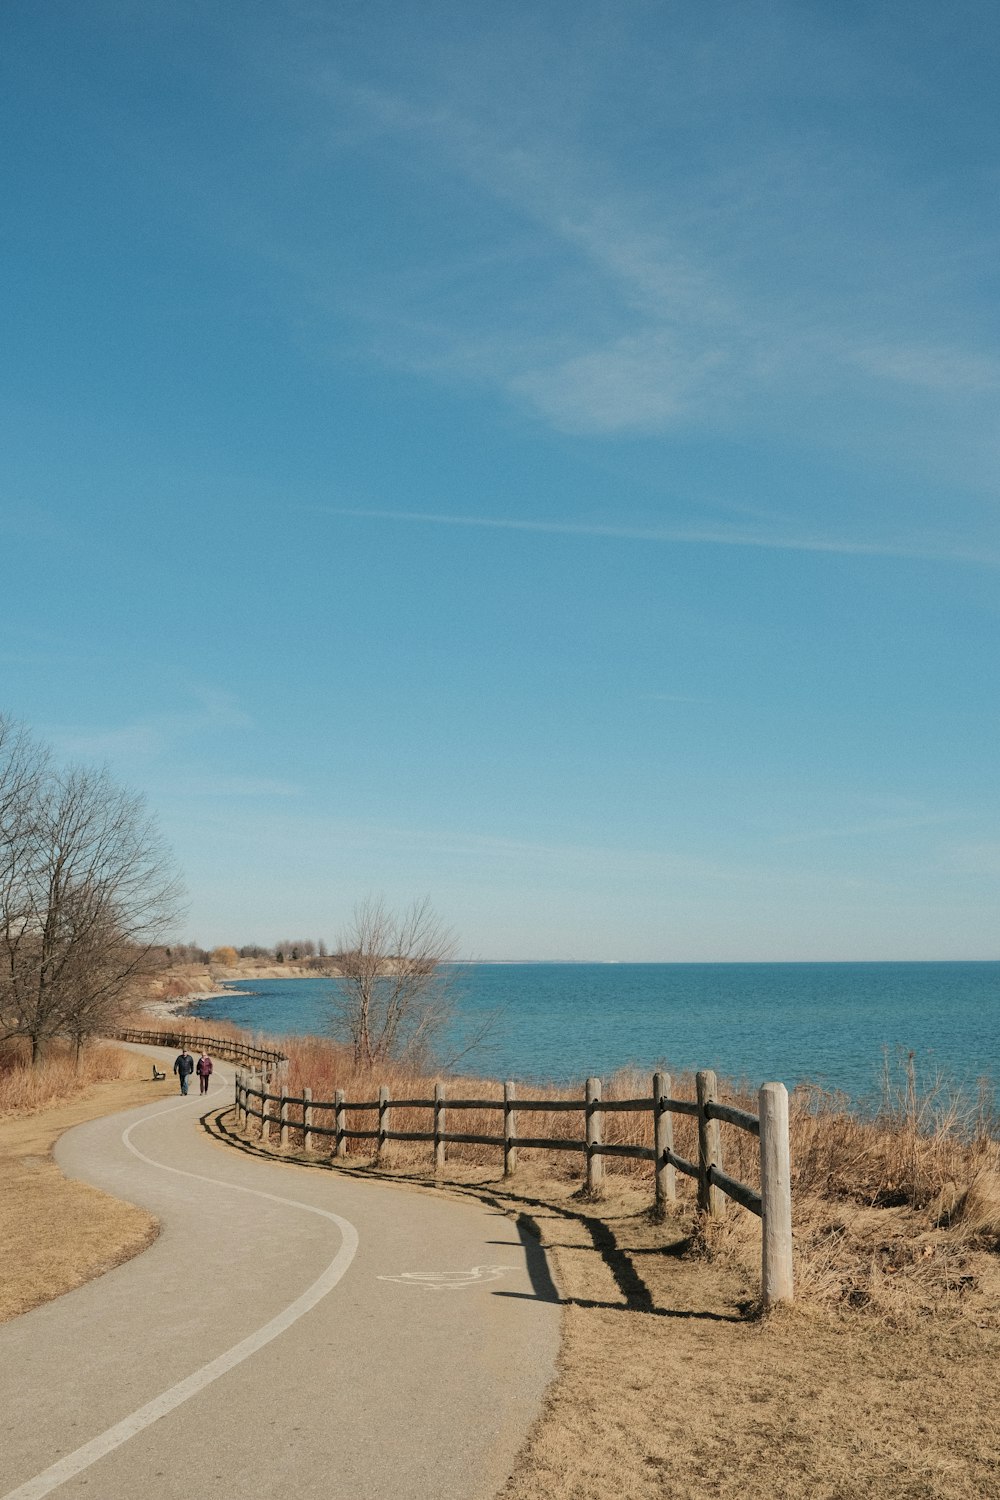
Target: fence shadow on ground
[(515, 1207)]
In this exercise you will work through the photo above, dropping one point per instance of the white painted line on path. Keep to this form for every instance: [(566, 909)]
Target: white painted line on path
[(74, 1463)]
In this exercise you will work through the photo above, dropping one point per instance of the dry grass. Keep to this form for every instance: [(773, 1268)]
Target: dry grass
[(673, 1391), (54, 1233), (879, 1383), (181, 1026), (60, 1077)]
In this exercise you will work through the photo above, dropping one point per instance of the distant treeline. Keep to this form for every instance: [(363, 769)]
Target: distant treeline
[(288, 950)]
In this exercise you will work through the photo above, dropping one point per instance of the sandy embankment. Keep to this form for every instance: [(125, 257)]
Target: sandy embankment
[(173, 991)]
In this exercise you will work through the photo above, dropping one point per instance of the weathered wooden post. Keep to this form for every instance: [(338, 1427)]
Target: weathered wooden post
[(265, 1129), (307, 1119), (711, 1199), (509, 1130), (383, 1122), (283, 1117), (663, 1142), (340, 1139), (595, 1137), (439, 1126), (777, 1282)]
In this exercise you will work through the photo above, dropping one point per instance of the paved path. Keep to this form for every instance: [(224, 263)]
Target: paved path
[(263, 1346)]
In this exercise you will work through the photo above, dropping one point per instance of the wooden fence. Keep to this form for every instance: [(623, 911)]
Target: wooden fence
[(773, 1204), (233, 1051)]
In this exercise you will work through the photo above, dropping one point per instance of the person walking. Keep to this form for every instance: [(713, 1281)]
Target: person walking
[(204, 1071), (184, 1067)]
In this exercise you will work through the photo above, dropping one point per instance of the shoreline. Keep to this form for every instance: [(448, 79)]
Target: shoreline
[(164, 1006)]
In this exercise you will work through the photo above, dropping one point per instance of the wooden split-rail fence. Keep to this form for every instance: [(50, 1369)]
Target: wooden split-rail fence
[(230, 1049), (772, 1204)]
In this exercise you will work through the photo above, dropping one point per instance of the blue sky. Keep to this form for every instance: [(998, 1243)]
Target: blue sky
[(540, 456)]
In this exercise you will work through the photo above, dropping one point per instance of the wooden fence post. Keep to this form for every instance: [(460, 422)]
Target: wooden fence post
[(283, 1117), (264, 1125), (383, 1121), (663, 1142), (439, 1126), (307, 1119), (509, 1130), (777, 1281), (340, 1140), (595, 1137), (711, 1199)]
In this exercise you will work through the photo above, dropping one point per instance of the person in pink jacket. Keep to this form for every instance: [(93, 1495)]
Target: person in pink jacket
[(204, 1071)]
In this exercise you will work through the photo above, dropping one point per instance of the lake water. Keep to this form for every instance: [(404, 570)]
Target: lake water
[(822, 1023)]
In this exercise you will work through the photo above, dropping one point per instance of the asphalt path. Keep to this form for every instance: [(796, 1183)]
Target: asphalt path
[(291, 1333)]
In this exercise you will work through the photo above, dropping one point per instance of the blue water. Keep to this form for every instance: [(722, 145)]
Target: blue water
[(823, 1023)]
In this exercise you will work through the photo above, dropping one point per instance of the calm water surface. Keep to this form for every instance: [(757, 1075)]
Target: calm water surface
[(823, 1023)]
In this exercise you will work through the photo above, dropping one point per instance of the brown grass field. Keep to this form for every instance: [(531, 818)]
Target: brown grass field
[(55, 1234)]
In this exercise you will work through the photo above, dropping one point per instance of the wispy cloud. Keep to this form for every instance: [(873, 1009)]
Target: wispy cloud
[(644, 318), (940, 370), (935, 549), (214, 711), (222, 787), (643, 382), (870, 828)]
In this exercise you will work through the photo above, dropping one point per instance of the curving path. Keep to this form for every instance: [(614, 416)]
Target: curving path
[(291, 1333)]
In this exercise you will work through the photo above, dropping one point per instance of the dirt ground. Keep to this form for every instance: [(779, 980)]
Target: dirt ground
[(56, 1234), (671, 1385)]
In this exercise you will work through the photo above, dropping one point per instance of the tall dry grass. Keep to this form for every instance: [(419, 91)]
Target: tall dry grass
[(60, 1076), (191, 1026)]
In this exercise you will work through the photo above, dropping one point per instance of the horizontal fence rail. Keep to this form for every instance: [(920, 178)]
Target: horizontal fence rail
[(233, 1051), (772, 1204)]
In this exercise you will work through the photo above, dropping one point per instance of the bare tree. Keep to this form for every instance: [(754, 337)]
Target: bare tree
[(23, 769), (396, 987), (293, 950), (89, 894)]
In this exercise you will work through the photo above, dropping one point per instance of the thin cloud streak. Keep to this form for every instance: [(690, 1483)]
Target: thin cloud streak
[(696, 536)]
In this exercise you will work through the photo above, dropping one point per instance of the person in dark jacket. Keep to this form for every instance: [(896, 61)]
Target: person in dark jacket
[(184, 1067), (204, 1071)]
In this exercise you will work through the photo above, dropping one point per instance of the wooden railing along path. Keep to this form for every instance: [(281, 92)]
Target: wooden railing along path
[(773, 1204), (232, 1050)]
